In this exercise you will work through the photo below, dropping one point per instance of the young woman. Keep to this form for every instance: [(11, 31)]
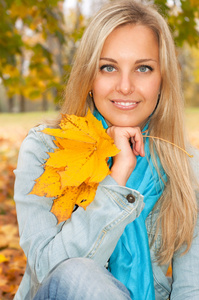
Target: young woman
[(144, 215)]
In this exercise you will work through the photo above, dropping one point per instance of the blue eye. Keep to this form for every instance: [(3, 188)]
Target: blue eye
[(107, 68), (144, 69)]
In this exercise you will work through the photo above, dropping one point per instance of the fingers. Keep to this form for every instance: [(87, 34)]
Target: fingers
[(137, 142), (123, 135)]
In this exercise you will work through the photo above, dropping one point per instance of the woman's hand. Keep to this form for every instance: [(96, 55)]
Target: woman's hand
[(130, 141)]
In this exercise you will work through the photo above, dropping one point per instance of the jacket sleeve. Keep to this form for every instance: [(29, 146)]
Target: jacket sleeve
[(186, 272), (186, 267), (91, 233)]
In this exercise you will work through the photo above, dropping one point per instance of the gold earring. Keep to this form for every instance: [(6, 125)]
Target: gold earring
[(90, 94)]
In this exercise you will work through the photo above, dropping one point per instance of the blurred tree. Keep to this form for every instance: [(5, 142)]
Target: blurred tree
[(189, 60), (27, 66), (182, 17), (75, 25)]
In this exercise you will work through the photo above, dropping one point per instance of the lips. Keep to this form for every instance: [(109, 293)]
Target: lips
[(125, 104)]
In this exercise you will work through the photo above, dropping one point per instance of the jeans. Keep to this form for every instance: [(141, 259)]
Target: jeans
[(81, 279)]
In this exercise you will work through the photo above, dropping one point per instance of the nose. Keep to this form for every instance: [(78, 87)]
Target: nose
[(125, 84)]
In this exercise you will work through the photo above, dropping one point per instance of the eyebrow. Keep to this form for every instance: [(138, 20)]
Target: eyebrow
[(136, 62), (144, 60), (108, 59)]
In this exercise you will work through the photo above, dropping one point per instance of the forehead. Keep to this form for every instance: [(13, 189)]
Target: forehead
[(131, 37)]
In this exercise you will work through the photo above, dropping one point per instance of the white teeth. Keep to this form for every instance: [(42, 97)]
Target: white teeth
[(125, 103)]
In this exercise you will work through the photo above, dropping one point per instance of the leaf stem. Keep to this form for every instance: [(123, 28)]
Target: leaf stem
[(154, 137)]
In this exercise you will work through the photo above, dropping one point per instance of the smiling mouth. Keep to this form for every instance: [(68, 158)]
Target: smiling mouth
[(125, 104)]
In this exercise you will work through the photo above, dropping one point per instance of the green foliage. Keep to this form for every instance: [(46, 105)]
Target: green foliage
[(10, 39), (182, 18), (27, 58), (184, 24)]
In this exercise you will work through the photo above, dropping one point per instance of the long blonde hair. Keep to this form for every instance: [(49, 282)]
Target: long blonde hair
[(178, 209)]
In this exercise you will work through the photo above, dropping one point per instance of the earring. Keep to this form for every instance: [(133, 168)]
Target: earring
[(90, 94)]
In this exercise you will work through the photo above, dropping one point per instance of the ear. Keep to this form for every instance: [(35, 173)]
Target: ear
[(90, 93)]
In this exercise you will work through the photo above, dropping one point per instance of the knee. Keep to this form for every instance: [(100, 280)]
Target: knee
[(71, 271), (75, 266), (62, 282), (81, 278)]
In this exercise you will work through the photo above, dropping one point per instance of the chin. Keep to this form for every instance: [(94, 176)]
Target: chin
[(125, 122)]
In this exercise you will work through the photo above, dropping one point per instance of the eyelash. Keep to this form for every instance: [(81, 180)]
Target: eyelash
[(145, 66), (106, 66), (142, 66)]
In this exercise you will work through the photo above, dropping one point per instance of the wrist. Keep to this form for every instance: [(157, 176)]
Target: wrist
[(120, 175)]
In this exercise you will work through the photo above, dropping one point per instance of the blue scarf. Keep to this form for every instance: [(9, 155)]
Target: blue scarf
[(130, 262)]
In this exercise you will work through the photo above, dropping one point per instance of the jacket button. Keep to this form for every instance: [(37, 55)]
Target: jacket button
[(130, 198)]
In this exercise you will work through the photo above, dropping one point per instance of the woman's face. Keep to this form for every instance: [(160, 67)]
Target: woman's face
[(127, 85)]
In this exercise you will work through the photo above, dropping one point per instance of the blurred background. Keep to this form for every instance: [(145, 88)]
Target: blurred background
[(38, 40)]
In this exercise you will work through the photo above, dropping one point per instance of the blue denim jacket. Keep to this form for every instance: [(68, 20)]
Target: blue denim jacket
[(93, 233)]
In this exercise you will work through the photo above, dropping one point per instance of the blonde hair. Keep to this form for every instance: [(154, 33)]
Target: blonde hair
[(178, 209)]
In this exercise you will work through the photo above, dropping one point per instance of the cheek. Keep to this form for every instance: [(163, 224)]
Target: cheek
[(151, 89), (102, 86), (97, 88)]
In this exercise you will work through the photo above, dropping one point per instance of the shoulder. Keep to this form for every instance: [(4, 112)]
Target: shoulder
[(37, 137), (36, 134), (37, 144)]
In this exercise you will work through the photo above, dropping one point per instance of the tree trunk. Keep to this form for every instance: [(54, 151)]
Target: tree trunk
[(44, 102), (22, 103), (11, 104)]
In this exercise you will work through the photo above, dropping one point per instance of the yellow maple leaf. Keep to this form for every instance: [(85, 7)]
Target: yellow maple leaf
[(82, 196), (73, 171), (48, 184)]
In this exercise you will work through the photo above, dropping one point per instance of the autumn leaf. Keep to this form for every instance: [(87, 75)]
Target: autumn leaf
[(48, 184), (73, 171), (82, 196), (3, 258)]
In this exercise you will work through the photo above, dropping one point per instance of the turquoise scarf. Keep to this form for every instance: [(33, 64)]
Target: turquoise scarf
[(130, 262)]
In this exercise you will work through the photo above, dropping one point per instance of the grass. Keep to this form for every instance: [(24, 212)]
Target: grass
[(15, 126), (192, 118), (27, 120)]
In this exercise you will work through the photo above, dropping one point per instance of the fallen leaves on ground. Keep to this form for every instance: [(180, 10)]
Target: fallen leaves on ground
[(12, 258)]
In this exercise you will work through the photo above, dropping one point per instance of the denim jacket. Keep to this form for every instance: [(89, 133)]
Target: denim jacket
[(93, 233)]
